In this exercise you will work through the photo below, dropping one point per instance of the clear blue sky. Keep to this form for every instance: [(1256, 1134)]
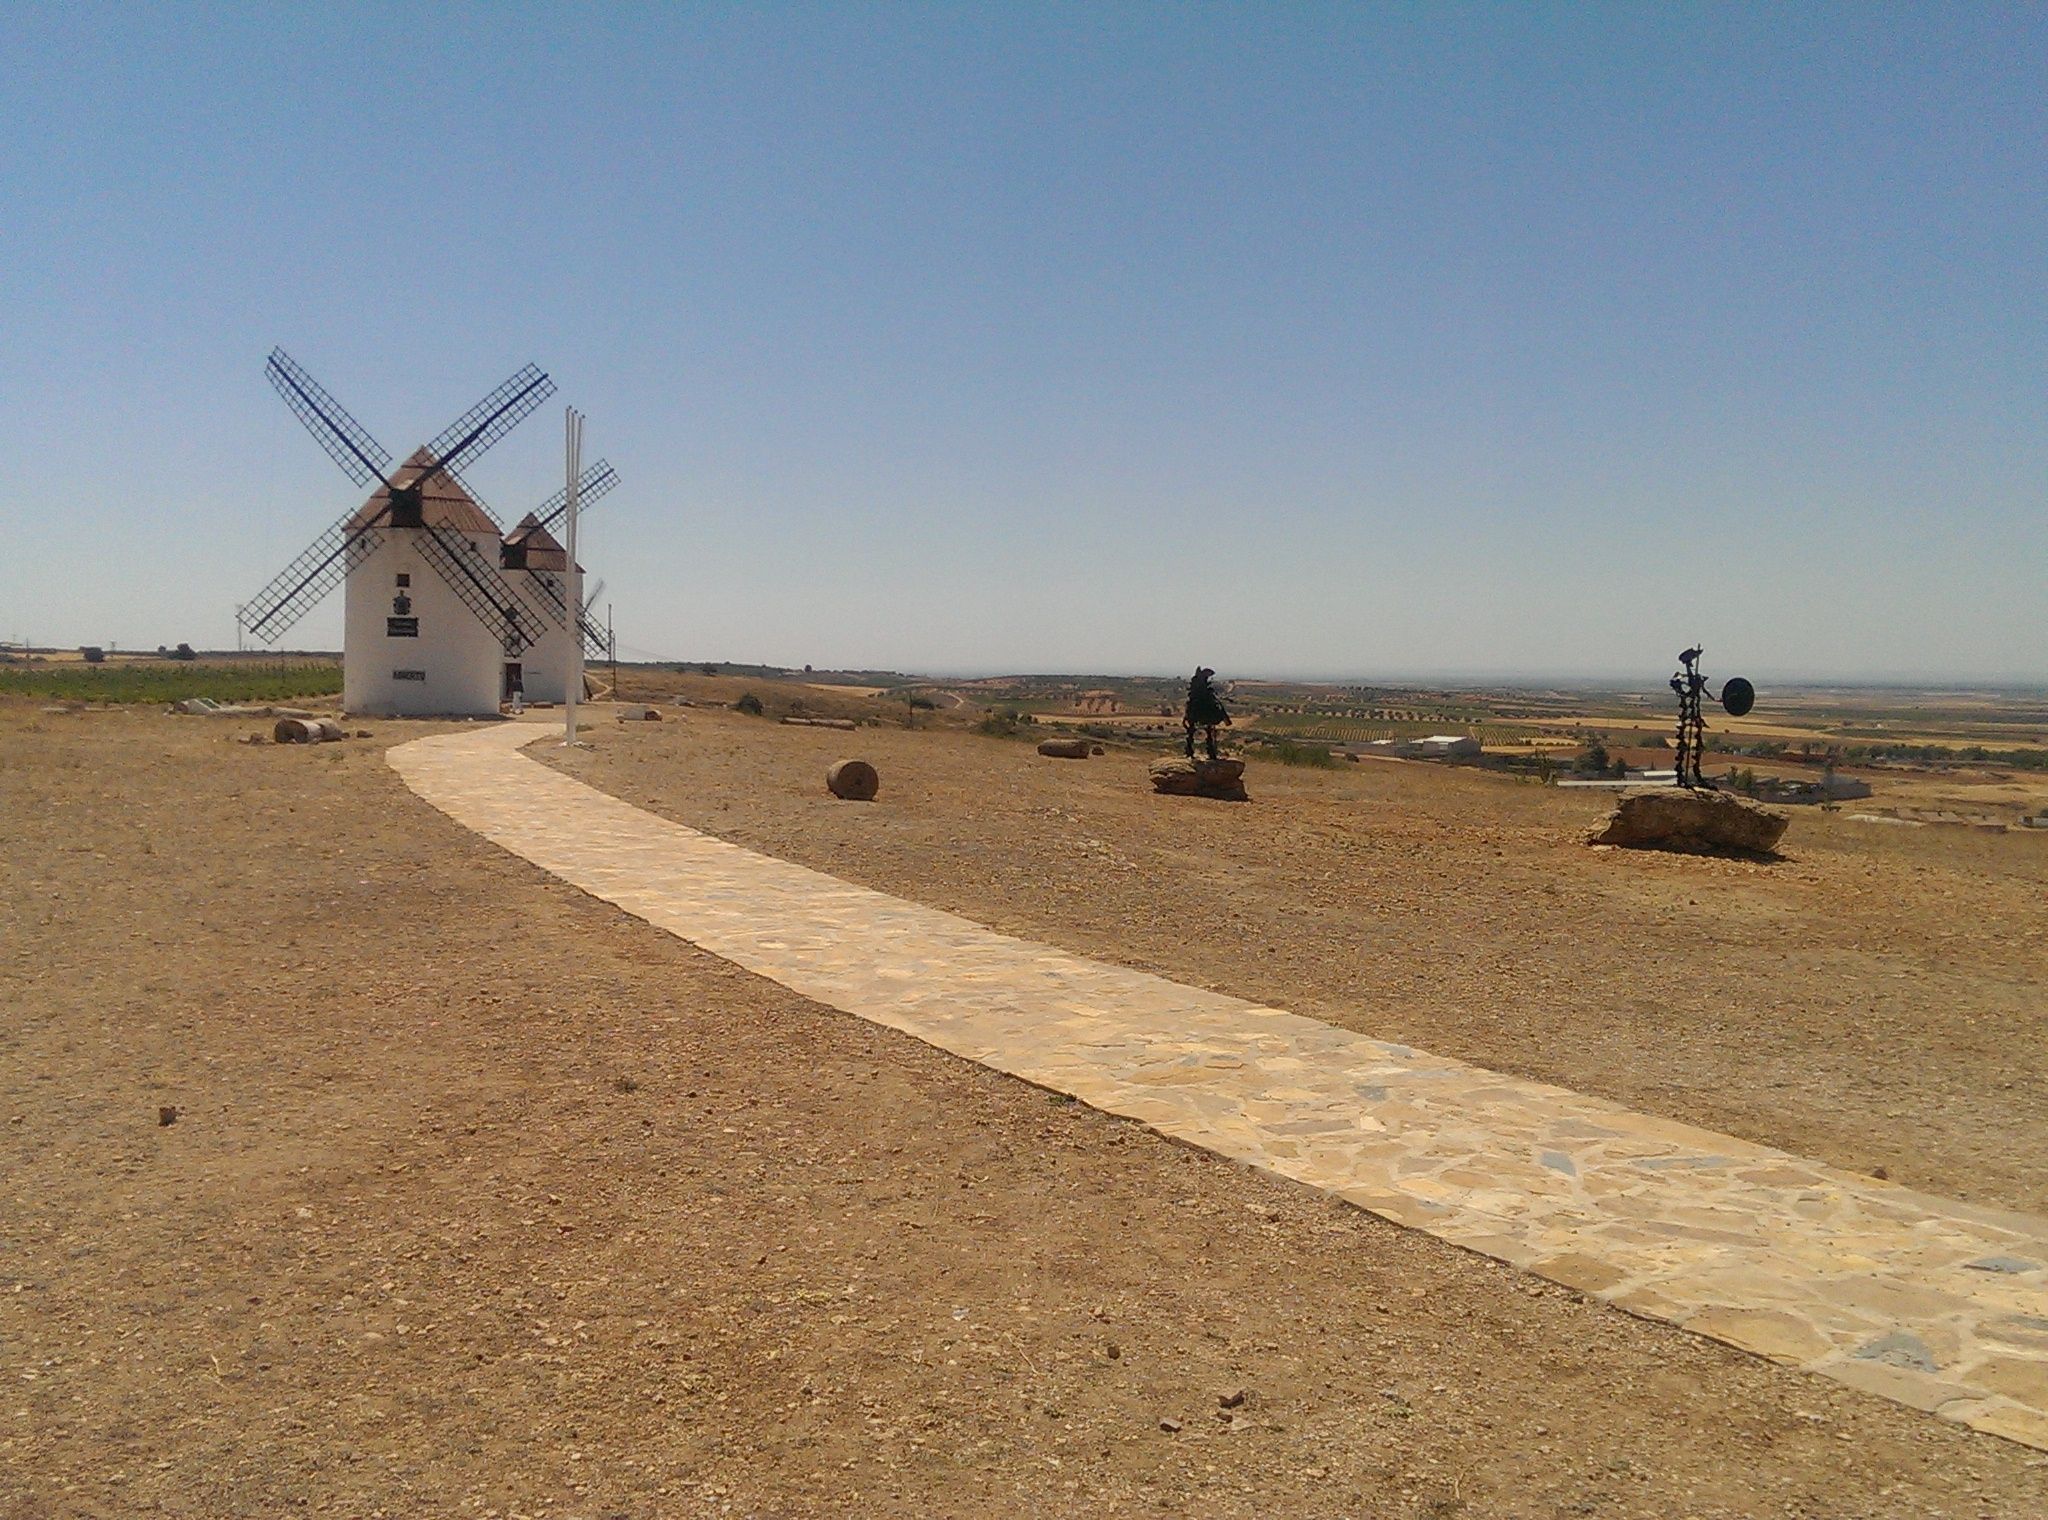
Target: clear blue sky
[(1366, 340)]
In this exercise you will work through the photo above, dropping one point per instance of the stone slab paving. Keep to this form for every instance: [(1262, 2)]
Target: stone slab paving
[(1934, 1303)]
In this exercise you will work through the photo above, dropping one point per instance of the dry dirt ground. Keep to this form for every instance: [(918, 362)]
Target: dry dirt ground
[(1874, 999), (483, 1199)]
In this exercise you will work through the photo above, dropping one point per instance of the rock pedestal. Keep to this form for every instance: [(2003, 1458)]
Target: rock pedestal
[(1703, 822), (1181, 777)]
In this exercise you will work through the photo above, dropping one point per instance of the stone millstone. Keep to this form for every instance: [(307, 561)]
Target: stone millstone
[(1064, 749), (1675, 818), (1221, 779), (306, 731), (855, 780)]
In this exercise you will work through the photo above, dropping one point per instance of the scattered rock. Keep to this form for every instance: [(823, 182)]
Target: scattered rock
[(1901, 1348), (2010, 1264), (639, 713), (1181, 777), (1064, 749), (1095, 749), (1232, 1399), (1170, 1426), (166, 1116), (1692, 819), (307, 731), (854, 780)]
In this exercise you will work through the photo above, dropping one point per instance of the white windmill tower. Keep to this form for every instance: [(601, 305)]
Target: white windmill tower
[(532, 551), (431, 621)]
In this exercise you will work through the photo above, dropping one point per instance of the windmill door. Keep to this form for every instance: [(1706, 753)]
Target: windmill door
[(514, 682)]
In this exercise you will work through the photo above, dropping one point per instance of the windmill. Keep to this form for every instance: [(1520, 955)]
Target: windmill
[(432, 621), (532, 553)]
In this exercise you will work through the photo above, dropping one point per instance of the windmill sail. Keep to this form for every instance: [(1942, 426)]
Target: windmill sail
[(347, 442), (319, 568), (595, 481), (498, 604), (463, 440)]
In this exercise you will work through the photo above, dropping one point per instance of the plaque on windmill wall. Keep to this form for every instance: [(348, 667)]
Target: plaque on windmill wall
[(401, 628), (408, 675)]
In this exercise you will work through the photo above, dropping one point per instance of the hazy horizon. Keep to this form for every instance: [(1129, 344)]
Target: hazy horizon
[(1613, 680)]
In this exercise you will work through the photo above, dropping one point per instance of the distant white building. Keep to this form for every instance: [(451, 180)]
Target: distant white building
[(1435, 747)]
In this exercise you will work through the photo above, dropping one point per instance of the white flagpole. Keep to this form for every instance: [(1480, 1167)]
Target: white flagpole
[(573, 430)]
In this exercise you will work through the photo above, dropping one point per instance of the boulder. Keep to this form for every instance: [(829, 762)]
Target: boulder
[(1064, 749), (639, 712), (1696, 820), (1178, 776), (800, 722), (854, 780)]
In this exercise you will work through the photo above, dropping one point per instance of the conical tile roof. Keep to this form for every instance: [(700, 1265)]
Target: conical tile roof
[(444, 504)]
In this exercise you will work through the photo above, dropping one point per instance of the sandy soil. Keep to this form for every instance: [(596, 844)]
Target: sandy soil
[(483, 1199), (1873, 999)]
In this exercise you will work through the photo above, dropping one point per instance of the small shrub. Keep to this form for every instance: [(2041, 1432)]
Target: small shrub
[(1289, 753), (748, 704)]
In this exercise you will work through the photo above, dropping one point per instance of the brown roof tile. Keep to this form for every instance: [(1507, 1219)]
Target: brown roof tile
[(444, 504)]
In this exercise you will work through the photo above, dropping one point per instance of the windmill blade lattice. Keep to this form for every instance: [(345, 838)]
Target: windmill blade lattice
[(552, 596), (347, 442), (485, 423), (498, 604), (295, 590), (594, 482)]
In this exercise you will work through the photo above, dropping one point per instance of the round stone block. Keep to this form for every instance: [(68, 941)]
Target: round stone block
[(855, 780)]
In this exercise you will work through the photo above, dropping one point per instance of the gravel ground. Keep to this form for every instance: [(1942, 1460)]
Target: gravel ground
[(483, 1199)]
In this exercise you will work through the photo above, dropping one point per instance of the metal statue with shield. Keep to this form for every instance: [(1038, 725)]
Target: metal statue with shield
[(1737, 697)]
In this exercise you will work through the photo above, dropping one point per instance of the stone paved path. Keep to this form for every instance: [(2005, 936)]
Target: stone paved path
[(1934, 1303)]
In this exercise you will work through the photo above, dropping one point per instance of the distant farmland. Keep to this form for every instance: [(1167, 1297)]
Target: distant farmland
[(1364, 730), (172, 681)]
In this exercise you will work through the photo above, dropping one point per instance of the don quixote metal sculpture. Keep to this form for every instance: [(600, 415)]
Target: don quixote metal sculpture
[(1204, 713), (1737, 698)]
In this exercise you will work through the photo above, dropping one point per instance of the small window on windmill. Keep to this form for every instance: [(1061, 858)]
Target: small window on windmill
[(404, 579)]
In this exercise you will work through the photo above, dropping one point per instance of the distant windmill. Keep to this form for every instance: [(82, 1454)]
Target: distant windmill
[(532, 553), (457, 628)]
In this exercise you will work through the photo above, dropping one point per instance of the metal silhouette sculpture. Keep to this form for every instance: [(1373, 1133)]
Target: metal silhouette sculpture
[(1737, 697), (1204, 711)]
